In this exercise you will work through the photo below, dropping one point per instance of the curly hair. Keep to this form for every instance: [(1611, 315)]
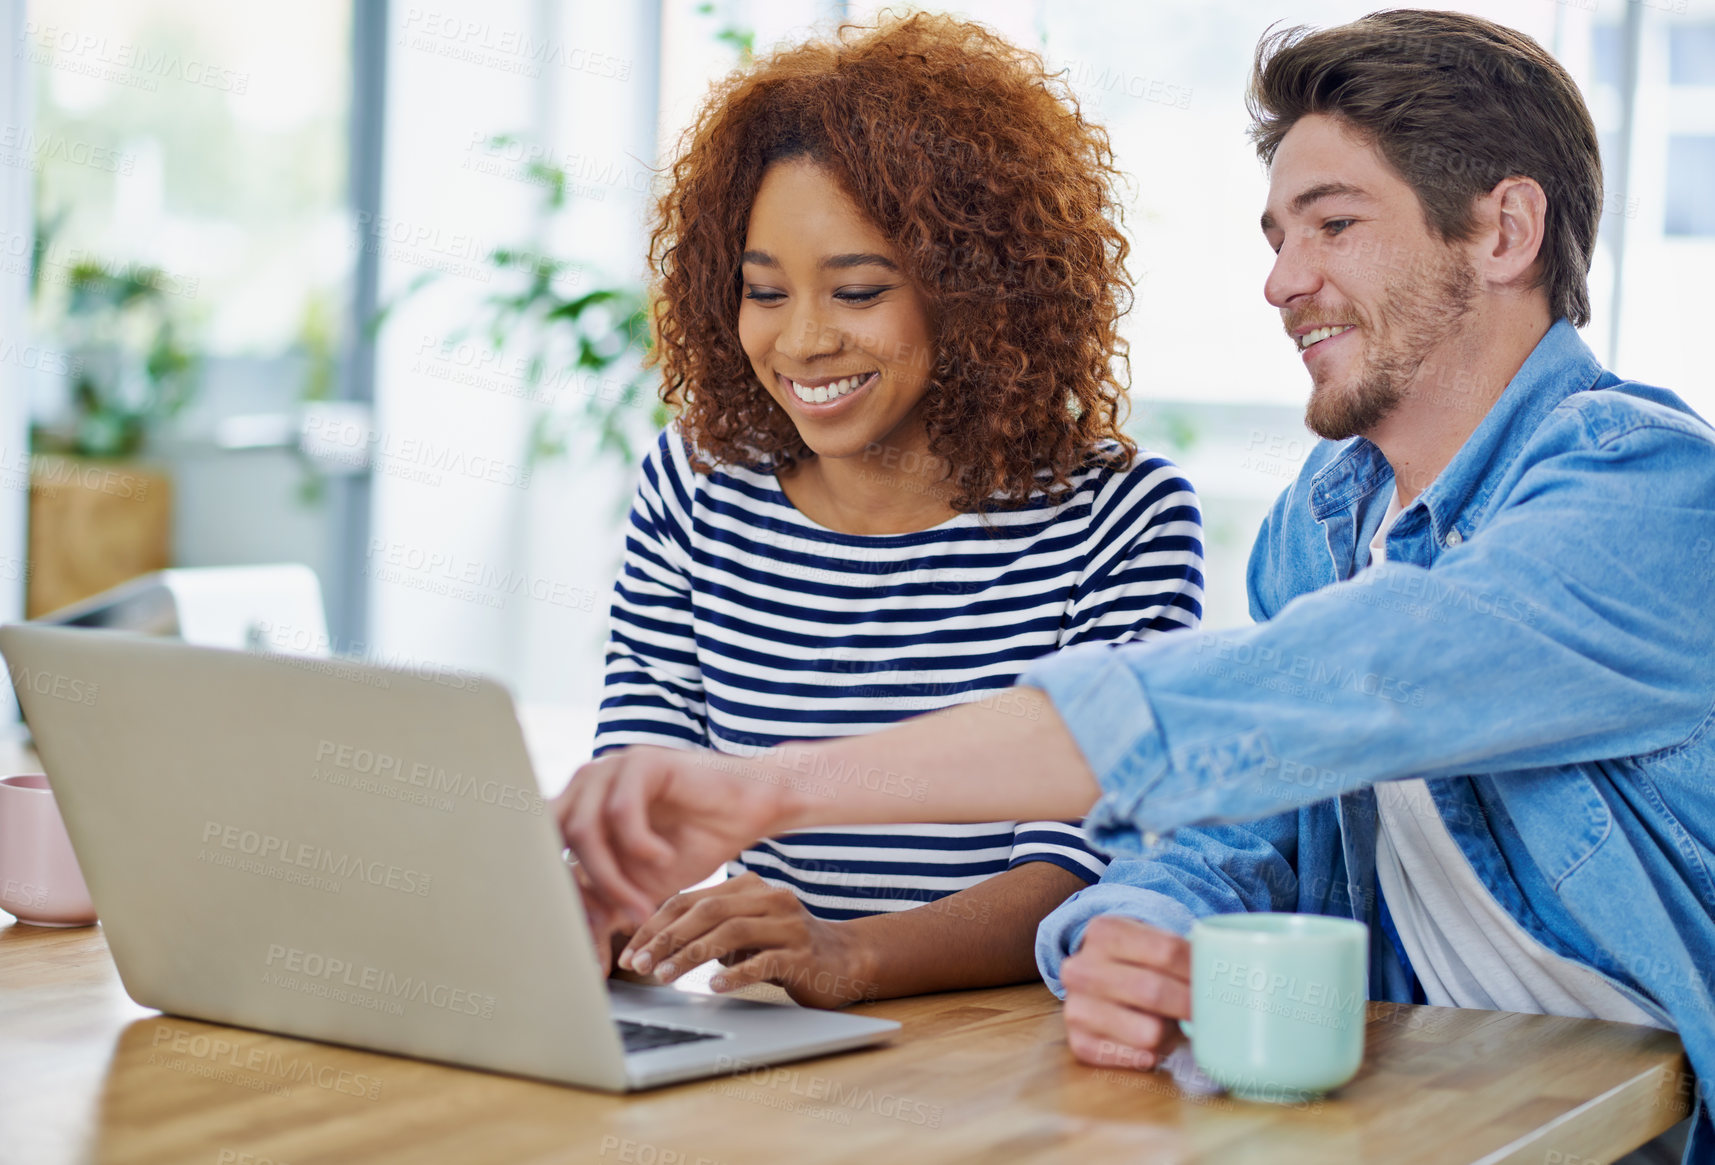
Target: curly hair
[(1000, 197)]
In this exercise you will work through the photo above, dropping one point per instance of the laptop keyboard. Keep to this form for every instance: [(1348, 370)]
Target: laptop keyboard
[(640, 1037)]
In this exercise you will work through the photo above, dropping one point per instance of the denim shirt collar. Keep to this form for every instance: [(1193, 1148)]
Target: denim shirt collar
[(1560, 365), (1344, 501)]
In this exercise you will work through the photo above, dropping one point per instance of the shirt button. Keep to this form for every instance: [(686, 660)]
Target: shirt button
[(1453, 539), (1151, 839)]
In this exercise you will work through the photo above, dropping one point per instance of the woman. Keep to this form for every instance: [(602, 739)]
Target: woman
[(889, 280)]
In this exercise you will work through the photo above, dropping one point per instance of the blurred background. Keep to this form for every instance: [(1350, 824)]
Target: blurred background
[(355, 284)]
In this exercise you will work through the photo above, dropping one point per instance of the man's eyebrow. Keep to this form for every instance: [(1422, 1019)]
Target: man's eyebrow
[(1321, 190)]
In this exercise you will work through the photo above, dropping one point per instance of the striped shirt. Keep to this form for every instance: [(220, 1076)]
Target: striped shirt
[(738, 624)]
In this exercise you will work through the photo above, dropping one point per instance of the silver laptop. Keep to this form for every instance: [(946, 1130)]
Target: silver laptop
[(353, 854)]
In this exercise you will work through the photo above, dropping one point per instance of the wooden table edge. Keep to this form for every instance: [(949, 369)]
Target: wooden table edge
[(1592, 1119)]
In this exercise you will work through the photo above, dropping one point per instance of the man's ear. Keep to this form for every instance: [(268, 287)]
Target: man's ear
[(1511, 222)]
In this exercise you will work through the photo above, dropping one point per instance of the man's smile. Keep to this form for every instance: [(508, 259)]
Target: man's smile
[(1317, 335)]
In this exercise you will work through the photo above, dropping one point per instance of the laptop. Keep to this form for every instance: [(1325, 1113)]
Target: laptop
[(357, 855)]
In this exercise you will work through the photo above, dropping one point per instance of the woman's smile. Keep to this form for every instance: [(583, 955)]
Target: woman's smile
[(822, 395), (835, 329)]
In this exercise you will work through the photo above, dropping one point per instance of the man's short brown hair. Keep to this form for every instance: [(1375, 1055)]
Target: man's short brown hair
[(1455, 104)]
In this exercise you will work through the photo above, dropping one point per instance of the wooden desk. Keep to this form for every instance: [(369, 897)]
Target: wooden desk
[(86, 1075)]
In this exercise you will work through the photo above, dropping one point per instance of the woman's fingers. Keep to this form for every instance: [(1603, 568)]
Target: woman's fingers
[(694, 928), (762, 967), (670, 911), (767, 937), (674, 909)]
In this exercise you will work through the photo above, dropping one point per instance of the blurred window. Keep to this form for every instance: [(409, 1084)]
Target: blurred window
[(1691, 55), (1691, 185), (207, 140)]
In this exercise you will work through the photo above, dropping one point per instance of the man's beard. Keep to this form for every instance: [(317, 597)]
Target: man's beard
[(1418, 315)]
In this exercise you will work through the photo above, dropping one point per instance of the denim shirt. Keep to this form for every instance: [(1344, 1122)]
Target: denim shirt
[(1539, 645)]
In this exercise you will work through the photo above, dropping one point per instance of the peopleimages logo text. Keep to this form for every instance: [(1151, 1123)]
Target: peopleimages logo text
[(813, 1086), (215, 1051), (367, 762), (309, 856), (317, 968), (71, 689)]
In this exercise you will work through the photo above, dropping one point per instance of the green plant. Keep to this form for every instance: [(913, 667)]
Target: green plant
[(1165, 429), (129, 365), (741, 39), (581, 349), (318, 341)]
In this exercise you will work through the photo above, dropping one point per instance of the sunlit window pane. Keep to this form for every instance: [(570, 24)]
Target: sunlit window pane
[(1691, 55), (1691, 186)]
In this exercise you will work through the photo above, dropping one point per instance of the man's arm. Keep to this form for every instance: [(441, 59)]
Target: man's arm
[(1217, 869), (1009, 755), (1567, 630), (1116, 951), (1571, 627), (647, 822)]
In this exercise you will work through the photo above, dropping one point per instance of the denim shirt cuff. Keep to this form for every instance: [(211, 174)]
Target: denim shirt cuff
[(1062, 932), (1102, 702)]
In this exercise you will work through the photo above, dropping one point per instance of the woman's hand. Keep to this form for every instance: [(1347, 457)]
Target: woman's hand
[(762, 935), (645, 822)]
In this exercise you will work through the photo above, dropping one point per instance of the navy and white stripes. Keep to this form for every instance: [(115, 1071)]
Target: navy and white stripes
[(738, 623)]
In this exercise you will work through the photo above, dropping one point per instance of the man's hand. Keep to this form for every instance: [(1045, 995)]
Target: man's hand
[(1125, 986), (762, 935), (606, 931), (646, 822)]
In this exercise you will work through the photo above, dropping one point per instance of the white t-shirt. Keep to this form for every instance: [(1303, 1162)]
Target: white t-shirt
[(1467, 950)]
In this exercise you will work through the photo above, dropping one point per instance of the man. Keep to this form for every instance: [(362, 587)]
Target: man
[(1478, 709)]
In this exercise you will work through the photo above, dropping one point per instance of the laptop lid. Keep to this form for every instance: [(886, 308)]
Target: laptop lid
[(319, 848)]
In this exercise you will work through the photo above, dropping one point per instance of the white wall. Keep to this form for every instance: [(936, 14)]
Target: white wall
[(14, 333), (435, 521), (469, 567), (514, 581), (604, 130)]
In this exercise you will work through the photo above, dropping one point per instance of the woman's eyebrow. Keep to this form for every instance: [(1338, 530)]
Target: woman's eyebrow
[(866, 259), (831, 263)]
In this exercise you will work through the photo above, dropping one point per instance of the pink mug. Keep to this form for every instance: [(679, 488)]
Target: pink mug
[(39, 878)]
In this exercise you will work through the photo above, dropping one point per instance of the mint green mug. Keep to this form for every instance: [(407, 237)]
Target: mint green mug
[(1277, 1002)]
